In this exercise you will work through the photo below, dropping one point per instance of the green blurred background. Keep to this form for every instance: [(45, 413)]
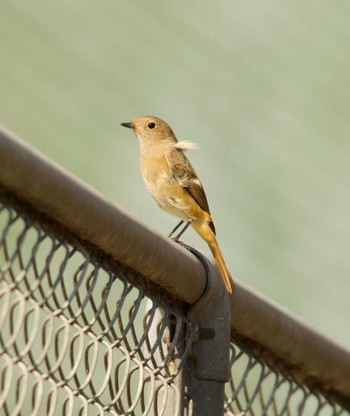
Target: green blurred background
[(262, 87)]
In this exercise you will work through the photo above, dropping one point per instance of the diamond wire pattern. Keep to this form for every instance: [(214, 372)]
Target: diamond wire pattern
[(77, 338), (257, 389)]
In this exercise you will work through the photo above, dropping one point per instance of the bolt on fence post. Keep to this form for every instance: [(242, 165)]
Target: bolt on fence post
[(208, 368)]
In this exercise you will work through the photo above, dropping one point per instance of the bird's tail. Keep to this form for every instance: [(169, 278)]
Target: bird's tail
[(215, 249), (206, 230)]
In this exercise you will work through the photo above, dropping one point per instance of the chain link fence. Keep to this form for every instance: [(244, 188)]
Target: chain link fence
[(76, 335), (81, 333), (255, 388)]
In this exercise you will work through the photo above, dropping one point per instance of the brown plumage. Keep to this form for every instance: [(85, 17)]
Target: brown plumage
[(173, 183)]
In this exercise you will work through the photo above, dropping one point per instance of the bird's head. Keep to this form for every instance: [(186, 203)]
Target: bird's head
[(150, 130)]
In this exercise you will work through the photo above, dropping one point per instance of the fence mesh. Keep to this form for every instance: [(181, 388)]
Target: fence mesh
[(256, 388), (82, 334)]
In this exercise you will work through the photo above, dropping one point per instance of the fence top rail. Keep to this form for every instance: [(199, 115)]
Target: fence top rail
[(309, 355)]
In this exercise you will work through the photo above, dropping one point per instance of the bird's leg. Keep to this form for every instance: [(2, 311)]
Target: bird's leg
[(188, 223), (178, 225)]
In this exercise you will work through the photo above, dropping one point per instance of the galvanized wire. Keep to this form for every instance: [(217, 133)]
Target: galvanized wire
[(76, 337), (257, 389), (80, 336)]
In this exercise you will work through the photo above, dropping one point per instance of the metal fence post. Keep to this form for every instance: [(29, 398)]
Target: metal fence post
[(208, 368)]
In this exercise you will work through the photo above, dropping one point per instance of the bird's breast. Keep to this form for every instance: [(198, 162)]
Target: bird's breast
[(163, 188), (154, 171)]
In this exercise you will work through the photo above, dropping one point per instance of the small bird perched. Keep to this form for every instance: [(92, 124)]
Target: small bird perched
[(173, 183)]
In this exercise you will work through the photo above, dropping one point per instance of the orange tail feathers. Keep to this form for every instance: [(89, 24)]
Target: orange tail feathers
[(215, 249), (206, 231)]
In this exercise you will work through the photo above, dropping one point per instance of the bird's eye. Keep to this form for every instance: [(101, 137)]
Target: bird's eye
[(151, 125)]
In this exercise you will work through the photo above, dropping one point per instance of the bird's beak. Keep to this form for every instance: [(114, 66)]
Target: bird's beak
[(129, 125)]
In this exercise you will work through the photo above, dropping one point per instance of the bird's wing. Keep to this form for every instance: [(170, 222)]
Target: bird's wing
[(184, 174)]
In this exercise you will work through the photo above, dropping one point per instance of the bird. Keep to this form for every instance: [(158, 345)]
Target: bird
[(173, 183)]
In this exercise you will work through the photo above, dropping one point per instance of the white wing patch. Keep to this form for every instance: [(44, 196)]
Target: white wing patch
[(197, 182)]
